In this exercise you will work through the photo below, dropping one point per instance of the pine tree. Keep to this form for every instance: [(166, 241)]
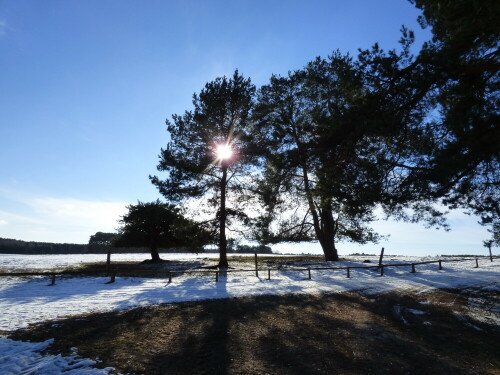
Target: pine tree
[(322, 179), (210, 153), (159, 225)]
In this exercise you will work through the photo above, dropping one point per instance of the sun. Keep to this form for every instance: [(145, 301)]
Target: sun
[(223, 151)]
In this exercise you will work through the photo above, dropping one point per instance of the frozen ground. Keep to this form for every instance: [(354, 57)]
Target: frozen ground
[(14, 262), (24, 301), (17, 357), (29, 300)]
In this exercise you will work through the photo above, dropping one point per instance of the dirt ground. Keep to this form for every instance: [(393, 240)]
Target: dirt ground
[(348, 333)]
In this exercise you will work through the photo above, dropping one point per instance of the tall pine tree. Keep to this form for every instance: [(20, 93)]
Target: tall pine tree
[(321, 181), (209, 154)]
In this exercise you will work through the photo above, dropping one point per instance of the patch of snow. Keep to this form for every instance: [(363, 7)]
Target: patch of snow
[(416, 312), (397, 311), (19, 357), (474, 327), (491, 288), (466, 321)]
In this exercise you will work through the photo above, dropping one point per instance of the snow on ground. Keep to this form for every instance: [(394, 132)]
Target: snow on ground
[(17, 262), (29, 300), (24, 301), (17, 357), (13, 262)]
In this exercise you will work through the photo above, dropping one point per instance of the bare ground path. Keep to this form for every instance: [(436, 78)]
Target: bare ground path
[(439, 332)]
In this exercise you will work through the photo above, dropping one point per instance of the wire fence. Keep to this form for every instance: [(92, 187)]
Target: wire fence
[(217, 273)]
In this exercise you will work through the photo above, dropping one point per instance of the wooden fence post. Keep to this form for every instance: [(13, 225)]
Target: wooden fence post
[(348, 272), (169, 276), (477, 264), (381, 257), (440, 266), (52, 279), (413, 268), (256, 266), (381, 270), (216, 276), (113, 276), (309, 273), (108, 260), (269, 274)]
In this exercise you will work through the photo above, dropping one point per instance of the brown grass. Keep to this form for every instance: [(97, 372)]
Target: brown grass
[(329, 334)]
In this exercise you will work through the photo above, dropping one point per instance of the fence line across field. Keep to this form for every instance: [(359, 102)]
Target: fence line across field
[(170, 274)]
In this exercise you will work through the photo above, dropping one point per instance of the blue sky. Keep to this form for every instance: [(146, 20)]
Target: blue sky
[(86, 86)]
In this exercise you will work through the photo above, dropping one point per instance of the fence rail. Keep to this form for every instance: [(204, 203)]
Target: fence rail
[(171, 273)]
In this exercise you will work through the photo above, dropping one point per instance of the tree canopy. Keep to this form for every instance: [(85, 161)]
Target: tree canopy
[(452, 86), (209, 154), (101, 240), (325, 146), (160, 225), (464, 59), (323, 162)]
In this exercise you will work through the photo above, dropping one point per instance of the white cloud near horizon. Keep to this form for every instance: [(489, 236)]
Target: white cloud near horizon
[(62, 220), (83, 213)]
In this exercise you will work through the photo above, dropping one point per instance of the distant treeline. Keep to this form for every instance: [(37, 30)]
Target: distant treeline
[(10, 246)]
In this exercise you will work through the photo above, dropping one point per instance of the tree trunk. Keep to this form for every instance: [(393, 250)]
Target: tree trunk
[(108, 259), (222, 221), (327, 234), (324, 228), (154, 254), (328, 245)]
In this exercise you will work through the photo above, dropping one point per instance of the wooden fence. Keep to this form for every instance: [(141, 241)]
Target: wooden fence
[(217, 273)]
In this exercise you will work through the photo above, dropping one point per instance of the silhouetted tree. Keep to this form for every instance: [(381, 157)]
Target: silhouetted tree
[(159, 225), (209, 153), (322, 179), (452, 86), (101, 240), (395, 107), (463, 57)]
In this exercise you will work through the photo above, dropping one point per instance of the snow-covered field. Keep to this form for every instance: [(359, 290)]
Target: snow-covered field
[(59, 261), (29, 300), (16, 262)]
